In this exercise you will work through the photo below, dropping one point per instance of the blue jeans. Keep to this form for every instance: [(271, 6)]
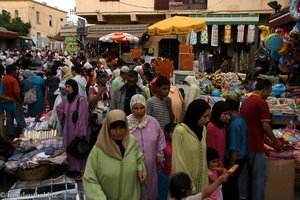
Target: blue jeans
[(257, 174), (17, 114), (163, 186)]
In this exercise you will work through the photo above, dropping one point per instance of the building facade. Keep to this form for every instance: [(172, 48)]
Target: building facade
[(45, 20), (134, 16)]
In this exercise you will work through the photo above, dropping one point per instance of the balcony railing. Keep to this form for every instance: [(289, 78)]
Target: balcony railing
[(180, 4)]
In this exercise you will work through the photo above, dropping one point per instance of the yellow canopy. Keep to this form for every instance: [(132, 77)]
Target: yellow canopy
[(180, 24)]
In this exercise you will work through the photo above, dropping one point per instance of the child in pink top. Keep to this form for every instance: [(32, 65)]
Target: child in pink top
[(216, 135), (181, 187), (213, 163)]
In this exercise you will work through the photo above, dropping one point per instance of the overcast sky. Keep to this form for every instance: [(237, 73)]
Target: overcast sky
[(61, 4)]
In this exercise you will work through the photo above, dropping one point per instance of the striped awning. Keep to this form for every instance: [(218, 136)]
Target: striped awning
[(280, 18), (232, 19)]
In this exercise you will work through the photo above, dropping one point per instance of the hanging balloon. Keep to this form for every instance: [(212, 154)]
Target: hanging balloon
[(275, 56), (283, 50), (287, 62), (274, 42), (295, 9)]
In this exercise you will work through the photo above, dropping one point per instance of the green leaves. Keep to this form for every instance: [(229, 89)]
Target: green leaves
[(16, 24)]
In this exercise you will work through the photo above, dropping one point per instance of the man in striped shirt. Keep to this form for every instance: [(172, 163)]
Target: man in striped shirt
[(159, 106)]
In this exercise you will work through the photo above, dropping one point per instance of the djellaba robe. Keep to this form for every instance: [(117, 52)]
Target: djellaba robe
[(151, 142), (70, 129)]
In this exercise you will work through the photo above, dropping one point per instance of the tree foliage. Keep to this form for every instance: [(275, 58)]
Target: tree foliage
[(16, 24)]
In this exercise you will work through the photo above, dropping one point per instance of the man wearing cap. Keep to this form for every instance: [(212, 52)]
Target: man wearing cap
[(12, 90), (98, 99), (120, 80), (122, 96), (209, 63)]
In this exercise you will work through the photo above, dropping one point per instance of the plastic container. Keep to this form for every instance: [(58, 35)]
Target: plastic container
[(284, 117)]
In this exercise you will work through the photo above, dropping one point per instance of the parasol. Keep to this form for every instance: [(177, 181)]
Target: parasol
[(180, 24), (119, 37)]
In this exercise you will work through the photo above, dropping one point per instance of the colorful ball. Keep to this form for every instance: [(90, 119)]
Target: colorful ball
[(216, 93), (274, 42)]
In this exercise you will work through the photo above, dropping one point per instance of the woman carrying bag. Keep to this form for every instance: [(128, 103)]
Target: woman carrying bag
[(73, 115)]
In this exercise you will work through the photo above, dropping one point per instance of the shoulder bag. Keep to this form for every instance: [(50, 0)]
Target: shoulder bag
[(30, 94), (78, 148)]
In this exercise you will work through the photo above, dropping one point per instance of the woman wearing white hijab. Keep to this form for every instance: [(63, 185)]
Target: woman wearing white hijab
[(61, 93), (151, 141)]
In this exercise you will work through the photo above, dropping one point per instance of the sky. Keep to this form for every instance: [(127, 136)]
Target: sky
[(65, 5)]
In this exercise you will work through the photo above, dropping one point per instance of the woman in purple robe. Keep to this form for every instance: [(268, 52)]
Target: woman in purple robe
[(151, 142), (65, 109)]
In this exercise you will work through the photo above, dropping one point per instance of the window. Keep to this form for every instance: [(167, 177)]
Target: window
[(37, 17), (38, 39), (50, 20), (61, 19), (16, 13)]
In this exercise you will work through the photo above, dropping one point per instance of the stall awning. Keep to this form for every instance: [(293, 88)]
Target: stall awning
[(8, 34), (97, 31), (232, 19), (280, 18)]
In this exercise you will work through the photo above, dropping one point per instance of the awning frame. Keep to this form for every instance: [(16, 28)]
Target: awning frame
[(232, 19)]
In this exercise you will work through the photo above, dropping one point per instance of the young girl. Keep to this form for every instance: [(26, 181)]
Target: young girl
[(216, 136), (213, 163), (181, 187), (164, 174)]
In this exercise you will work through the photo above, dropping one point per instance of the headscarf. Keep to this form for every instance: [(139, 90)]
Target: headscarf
[(133, 122), (101, 74), (29, 74), (67, 73), (194, 112), (104, 140), (191, 80), (62, 84), (74, 85), (216, 111)]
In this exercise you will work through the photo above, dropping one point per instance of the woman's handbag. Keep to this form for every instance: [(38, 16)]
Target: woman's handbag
[(78, 148), (30, 95)]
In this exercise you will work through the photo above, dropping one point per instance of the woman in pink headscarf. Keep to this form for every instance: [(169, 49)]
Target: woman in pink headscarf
[(151, 142)]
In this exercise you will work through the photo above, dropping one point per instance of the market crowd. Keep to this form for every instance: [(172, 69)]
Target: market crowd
[(149, 139)]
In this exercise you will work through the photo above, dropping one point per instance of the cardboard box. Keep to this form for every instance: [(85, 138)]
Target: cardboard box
[(280, 180)]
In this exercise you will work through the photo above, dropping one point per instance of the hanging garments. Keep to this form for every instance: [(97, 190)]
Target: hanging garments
[(240, 34), (201, 62), (193, 37), (215, 35), (251, 33), (227, 33), (204, 36)]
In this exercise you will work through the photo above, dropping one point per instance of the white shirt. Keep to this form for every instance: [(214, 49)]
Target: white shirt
[(81, 85)]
